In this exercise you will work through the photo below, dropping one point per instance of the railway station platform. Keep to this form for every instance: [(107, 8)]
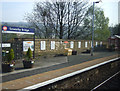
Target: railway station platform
[(54, 69)]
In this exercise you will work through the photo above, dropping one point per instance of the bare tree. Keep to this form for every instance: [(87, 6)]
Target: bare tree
[(58, 19), (76, 15)]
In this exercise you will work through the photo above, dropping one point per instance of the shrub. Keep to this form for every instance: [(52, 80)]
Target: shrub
[(11, 56), (112, 46), (29, 54)]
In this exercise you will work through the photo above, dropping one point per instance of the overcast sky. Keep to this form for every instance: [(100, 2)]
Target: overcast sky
[(14, 10)]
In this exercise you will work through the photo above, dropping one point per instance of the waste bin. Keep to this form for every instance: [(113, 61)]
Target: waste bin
[(74, 52), (3, 53), (68, 51)]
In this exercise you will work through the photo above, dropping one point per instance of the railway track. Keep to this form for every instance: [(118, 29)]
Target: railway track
[(112, 83)]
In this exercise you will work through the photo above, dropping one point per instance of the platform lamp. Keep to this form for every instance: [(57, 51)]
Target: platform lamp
[(93, 28)]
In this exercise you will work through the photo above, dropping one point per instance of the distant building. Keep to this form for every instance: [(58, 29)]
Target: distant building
[(118, 12), (114, 41)]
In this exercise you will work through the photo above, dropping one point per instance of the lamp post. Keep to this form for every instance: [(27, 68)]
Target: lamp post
[(93, 29)]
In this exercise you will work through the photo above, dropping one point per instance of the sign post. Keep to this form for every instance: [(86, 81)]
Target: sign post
[(34, 47), (20, 30), (0, 57)]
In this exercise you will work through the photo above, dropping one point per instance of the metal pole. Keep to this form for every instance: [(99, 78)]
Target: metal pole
[(0, 55), (92, 31), (34, 47), (1, 44), (0, 50)]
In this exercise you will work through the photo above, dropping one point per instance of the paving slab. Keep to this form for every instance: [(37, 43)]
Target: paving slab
[(38, 64)]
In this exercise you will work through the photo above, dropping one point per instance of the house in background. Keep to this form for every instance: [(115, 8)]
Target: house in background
[(114, 41)]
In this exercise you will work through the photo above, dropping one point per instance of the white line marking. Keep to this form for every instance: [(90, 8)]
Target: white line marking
[(105, 81), (66, 76)]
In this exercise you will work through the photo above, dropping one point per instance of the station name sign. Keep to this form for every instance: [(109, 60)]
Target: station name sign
[(8, 29)]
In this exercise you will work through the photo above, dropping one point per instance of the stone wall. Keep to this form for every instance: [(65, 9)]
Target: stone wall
[(60, 46)]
